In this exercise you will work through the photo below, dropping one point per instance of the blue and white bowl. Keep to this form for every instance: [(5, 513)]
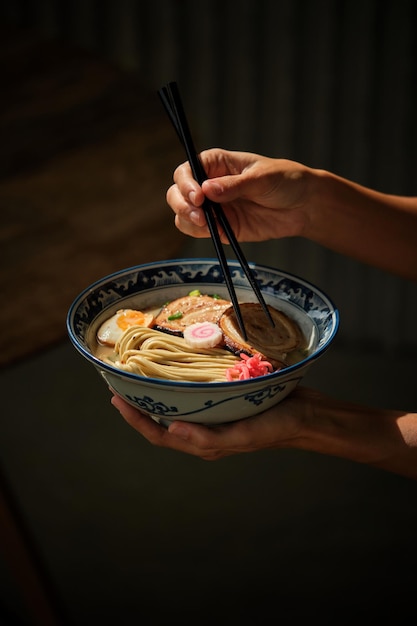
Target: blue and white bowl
[(145, 286)]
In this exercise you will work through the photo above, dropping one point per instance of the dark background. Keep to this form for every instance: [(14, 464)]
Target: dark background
[(126, 533)]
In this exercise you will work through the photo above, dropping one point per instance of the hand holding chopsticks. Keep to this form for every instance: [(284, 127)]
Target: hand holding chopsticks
[(172, 102)]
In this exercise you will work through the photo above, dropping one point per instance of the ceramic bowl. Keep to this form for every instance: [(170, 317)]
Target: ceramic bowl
[(146, 285)]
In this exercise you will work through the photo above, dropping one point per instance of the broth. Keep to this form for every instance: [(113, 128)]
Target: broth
[(107, 353)]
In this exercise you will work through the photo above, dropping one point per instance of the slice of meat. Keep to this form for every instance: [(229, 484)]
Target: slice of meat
[(272, 343), (189, 310)]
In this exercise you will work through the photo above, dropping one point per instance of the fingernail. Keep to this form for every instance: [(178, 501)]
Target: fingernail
[(191, 197), (216, 188), (179, 430), (195, 217)]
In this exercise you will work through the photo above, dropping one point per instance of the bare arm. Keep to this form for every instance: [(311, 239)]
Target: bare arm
[(376, 228), (268, 198), (306, 420), (271, 198)]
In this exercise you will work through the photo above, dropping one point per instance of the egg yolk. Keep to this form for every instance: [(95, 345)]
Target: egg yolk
[(130, 318)]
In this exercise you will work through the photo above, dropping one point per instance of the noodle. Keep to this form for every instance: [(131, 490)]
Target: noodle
[(150, 353)]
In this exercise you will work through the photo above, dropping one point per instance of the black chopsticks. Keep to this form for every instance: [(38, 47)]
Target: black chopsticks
[(171, 99)]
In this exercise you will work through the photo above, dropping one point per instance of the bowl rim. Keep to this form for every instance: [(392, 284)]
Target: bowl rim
[(101, 365)]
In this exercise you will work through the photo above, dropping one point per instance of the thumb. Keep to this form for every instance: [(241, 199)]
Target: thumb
[(224, 188)]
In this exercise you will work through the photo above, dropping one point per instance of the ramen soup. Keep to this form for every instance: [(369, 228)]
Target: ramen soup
[(197, 338)]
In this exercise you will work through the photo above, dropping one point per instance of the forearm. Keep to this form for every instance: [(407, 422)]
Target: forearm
[(372, 227), (379, 438)]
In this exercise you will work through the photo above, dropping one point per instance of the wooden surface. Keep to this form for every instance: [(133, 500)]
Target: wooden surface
[(85, 160)]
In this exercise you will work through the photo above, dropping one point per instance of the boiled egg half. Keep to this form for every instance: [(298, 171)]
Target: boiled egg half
[(112, 329)]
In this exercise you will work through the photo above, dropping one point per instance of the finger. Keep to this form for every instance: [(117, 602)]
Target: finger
[(235, 187), (215, 442), (177, 201), (189, 228), (156, 434), (189, 219), (150, 429), (218, 162), (188, 186)]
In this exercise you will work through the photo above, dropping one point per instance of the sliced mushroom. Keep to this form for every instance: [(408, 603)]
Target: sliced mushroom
[(272, 343)]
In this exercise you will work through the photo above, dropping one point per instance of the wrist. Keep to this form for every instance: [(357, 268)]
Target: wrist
[(318, 200)]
